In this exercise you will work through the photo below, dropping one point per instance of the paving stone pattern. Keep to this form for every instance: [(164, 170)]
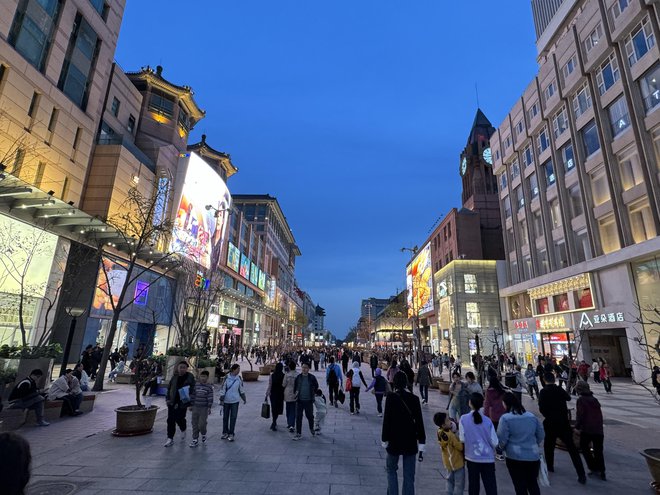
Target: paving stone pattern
[(79, 455)]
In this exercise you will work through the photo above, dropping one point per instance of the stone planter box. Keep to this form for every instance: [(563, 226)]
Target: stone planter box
[(250, 376), (435, 382), (443, 387), (266, 369)]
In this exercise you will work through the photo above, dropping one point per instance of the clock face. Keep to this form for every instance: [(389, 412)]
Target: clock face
[(463, 166), (488, 156)]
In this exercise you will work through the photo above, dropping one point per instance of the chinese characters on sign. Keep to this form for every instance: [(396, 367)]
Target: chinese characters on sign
[(599, 319)]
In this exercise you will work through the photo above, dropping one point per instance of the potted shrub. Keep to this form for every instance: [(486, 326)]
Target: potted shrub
[(174, 356), (250, 376), (204, 363), (7, 378), (27, 358)]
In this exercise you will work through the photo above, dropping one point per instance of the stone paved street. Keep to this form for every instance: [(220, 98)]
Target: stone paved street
[(79, 455)]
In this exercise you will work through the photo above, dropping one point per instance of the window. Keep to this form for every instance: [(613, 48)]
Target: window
[(39, 175), (609, 237), (510, 240), (608, 74), (619, 118), (161, 103), (470, 283), (567, 157), (473, 316), (618, 7), (507, 207), (533, 110), (542, 140), (33, 104), (560, 123), (582, 101), (65, 188), (569, 67), (590, 139), (76, 139), (75, 79), (520, 199), (538, 224), (520, 128), (101, 7), (641, 221), (515, 170), (533, 185), (582, 246), (549, 91), (183, 121), (560, 301), (555, 214), (19, 158), (32, 30), (549, 170), (542, 306), (528, 156), (656, 146), (514, 272), (527, 267), (575, 196), (650, 85), (631, 169), (53, 120), (585, 300), (131, 124), (544, 265), (593, 38), (115, 106), (639, 42), (507, 142), (562, 262), (599, 188), (523, 232), (503, 181)]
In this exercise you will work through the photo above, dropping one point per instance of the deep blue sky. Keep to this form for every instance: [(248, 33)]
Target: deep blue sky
[(352, 113)]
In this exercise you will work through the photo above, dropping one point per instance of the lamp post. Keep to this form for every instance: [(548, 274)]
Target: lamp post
[(74, 313)]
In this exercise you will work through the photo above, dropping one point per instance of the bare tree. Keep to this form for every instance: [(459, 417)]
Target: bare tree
[(144, 240), (648, 340)]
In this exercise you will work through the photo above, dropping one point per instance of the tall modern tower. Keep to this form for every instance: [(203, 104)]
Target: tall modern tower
[(543, 12)]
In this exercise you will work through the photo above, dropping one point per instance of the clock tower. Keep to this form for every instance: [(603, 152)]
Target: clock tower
[(480, 185)]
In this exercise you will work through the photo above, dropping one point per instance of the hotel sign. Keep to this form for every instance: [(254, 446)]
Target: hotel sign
[(599, 319)]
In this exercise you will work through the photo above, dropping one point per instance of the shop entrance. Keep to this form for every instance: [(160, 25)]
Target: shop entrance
[(612, 346), (558, 344)]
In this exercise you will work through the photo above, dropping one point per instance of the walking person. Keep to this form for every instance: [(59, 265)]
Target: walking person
[(290, 396), (589, 422), (552, 405), (334, 379), (520, 434), (380, 387), (605, 376), (494, 407), (472, 384), (520, 383), (595, 370), (231, 393), (402, 435), (458, 398), (479, 439), (276, 394), (452, 453), (344, 361), (530, 378), (180, 394), (424, 381), (320, 410), (373, 363), (201, 408), (305, 387), (355, 375), (391, 371)]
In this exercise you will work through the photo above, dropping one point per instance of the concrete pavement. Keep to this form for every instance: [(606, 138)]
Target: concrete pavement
[(79, 455)]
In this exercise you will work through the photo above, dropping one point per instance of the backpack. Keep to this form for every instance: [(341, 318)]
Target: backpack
[(332, 375)]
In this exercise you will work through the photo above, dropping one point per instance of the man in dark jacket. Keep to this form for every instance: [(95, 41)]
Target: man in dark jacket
[(589, 421), (552, 405), (373, 364), (180, 394), (25, 395), (304, 389), (344, 361), (403, 434)]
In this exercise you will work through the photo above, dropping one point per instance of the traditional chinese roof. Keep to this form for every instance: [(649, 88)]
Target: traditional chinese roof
[(205, 151)]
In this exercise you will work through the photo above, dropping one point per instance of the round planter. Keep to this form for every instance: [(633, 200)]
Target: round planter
[(250, 376), (652, 457), (436, 381), (134, 420), (443, 387), (266, 370)]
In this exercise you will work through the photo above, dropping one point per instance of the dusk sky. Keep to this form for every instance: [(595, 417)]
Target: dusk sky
[(352, 113)]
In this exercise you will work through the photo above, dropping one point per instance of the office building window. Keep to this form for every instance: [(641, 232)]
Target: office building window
[(599, 188), (641, 221), (507, 207), (555, 213), (544, 265), (522, 228), (609, 237), (619, 118), (650, 86), (507, 142), (470, 281), (631, 168), (32, 30), (33, 104), (550, 90), (527, 267), (590, 138), (560, 122), (65, 189), (101, 7), (473, 316), (608, 73), (640, 41), (161, 103), (569, 67), (582, 100), (550, 177), (656, 146), (115, 106), (510, 240), (567, 157), (562, 260), (582, 246), (53, 120), (515, 170), (618, 7), (514, 272), (503, 181), (533, 185), (39, 175), (76, 77), (575, 196), (542, 140), (131, 124), (19, 159), (520, 128), (594, 36), (533, 110), (76, 139), (538, 224), (520, 199)]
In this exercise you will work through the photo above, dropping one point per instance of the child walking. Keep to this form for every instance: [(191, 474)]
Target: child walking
[(452, 453), (201, 408), (321, 410)]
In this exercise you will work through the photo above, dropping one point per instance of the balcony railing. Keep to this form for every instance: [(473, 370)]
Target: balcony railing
[(120, 139)]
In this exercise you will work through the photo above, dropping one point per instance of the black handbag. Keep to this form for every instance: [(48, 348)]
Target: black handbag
[(341, 396), (265, 410)]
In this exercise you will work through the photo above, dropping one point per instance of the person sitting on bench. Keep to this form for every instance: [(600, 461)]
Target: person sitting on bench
[(61, 389), (25, 395)]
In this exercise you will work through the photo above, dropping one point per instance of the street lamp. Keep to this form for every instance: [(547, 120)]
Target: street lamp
[(217, 211), (74, 313)]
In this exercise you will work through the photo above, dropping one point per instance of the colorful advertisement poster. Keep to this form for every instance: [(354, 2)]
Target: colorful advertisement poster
[(262, 280), (419, 282), (202, 213), (254, 273), (244, 269), (233, 257)]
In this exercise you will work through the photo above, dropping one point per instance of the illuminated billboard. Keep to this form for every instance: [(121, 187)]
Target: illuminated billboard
[(233, 257), (262, 280), (244, 269), (254, 273), (202, 213), (419, 282)]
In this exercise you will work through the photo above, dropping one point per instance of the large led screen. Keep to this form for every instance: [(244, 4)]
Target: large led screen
[(233, 257), (419, 282), (254, 273), (202, 213), (244, 269), (262, 280)]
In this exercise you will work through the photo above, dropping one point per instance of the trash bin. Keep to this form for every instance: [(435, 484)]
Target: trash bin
[(510, 380)]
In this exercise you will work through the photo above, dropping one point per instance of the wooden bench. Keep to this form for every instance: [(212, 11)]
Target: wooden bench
[(87, 404)]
